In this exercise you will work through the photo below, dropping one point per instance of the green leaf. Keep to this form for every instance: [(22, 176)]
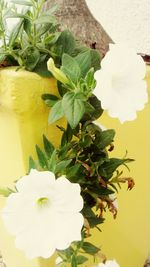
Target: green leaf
[(95, 59), (41, 69), (67, 253), (5, 192), (84, 61), (16, 15), (41, 157), (14, 34), (22, 2), (90, 81), (113, 164), (89, 108), (73, 108), (32, 59), (96, 112), (27, 25), (2, 58), (107, 169), (81, 259), (56, 112), (48, 146), (73, 261), (65, 44), (106, 138), (32, 164), (67, 136), (53, 161), (50, 100), (71, 68), (72, 171), (99, 190), (88, 59), (90, 248), (61, 166), (45, 19)]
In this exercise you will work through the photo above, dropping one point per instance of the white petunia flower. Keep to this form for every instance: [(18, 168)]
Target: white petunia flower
[(120, 83), (44, 214), (109, 263)]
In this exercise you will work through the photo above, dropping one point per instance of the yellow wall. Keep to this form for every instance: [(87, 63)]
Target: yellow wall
[(23, 120), (128, 237)]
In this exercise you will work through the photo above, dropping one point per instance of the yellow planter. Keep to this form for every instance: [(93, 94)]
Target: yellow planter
[(23, 120)]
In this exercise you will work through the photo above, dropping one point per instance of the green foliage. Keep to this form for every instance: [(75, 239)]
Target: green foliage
[(84, 153), (84, 158), (5, 192), (36, 38)]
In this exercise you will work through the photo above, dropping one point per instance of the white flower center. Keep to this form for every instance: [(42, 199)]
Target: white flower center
[(43, 201)]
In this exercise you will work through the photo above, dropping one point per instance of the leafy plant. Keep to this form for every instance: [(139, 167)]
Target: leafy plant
[(84, 154), (35, 38)]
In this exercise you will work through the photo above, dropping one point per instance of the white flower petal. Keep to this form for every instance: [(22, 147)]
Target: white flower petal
[(69, 229), (109, 263), (72, 192), (44, 214), (120, 85), (35, 178)]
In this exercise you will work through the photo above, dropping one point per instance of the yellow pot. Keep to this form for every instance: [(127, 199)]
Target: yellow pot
[(23, 120)]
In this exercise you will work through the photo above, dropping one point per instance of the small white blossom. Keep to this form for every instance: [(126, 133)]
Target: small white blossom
[(44, 214), (114, 201), (109, 263), (58, 261), (120, 83)]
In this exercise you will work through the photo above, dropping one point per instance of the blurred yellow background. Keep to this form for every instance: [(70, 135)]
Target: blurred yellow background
[(127, 239)]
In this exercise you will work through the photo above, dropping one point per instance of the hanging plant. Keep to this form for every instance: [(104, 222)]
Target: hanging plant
[(68, 190)]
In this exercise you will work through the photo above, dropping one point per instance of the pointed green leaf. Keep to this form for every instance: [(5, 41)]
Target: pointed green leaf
[(50, 100), (73, 108), (90, 248), (32, 164), (71, 68), (32, 59), (66, 42), (5, 192), (14, 34), (106, 138), (61, 166), (56, 112), (84, 61), (52, 162), (48, 146), (45, 19), (73, 261), (81, 259), (72, 171), (41, 157), (95, 59)]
